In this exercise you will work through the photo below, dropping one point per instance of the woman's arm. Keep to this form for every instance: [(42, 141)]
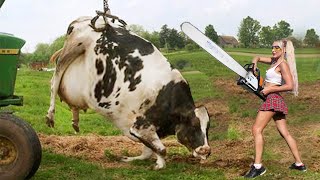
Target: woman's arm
[(266, 60)]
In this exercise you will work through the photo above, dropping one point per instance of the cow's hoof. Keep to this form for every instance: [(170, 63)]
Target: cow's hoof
[(126, 159), (76, 128), (49, 122), (203, 161), (158, 167)]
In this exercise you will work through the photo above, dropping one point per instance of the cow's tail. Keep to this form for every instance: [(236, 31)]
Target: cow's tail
[(55, 56)]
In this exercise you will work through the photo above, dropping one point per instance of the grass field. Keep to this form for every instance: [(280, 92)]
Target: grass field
[(232, 113)]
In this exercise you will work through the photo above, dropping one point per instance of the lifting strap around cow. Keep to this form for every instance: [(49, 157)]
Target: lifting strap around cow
[(105, 15)]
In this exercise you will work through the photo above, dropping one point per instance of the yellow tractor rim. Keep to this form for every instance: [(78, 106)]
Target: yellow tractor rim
[(8, 152)]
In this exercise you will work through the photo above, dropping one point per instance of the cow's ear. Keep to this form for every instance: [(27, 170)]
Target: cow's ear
[(202, 113)]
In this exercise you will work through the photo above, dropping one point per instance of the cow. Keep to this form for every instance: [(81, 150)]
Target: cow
[(126, 79)]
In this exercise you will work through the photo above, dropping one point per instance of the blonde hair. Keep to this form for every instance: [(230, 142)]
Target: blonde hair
[(289, 56)]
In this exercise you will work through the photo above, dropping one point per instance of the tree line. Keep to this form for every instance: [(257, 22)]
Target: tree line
[(250, 35)]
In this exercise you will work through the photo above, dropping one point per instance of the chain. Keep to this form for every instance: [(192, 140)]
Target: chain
[(106, 6), (106, 14)]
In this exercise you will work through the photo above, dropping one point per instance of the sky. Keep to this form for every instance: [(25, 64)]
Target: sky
[(42, 21)]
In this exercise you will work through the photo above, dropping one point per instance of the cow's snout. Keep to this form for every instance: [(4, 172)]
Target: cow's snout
[(203, 152)]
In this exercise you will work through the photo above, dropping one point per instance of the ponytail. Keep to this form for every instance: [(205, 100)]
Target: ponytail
[(289, 56)]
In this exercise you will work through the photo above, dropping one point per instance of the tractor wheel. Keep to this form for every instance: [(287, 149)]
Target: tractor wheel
[(20, 148)]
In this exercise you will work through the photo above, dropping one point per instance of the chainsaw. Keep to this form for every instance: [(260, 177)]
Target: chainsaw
[(249, 78)]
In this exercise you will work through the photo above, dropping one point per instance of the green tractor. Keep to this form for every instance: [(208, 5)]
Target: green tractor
[(20, 148)]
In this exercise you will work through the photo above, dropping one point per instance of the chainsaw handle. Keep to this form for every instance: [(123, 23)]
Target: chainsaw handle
[(252, 67), (255, 69)]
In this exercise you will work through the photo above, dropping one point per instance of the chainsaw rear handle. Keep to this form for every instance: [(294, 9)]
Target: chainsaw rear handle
[(250, 67)]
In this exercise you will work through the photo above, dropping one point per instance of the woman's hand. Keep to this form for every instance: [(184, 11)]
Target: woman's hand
[(267, 90), (255, 61)]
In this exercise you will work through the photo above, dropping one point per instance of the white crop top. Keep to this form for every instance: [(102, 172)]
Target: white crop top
[(272, 76)]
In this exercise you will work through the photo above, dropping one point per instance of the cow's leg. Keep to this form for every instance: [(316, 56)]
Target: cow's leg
[(146, 154), (147, 134), (51, 111), (75, 119)]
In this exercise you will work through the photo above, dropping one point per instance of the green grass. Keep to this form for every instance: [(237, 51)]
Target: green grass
[(200, 86), (35, 87), (308, 68), (58, 167)]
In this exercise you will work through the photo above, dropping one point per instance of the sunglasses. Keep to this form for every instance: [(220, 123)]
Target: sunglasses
[(276, 48)]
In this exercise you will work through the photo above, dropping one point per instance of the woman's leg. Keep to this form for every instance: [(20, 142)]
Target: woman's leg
[(261, 122), (282, 128)]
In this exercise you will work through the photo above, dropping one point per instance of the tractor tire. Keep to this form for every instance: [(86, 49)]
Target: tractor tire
[(20, 148)]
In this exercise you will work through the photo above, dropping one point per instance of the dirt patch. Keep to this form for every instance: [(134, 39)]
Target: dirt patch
[(91, 147), (232, 156), (105, 150)]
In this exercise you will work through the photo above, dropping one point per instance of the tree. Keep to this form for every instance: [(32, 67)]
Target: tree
[(297, 42), (57, 44), (311, 38), (41, 53), (153, 37), (164, 35), (170, 38), (211, 33), (138, 29), (266, 36), (248, 31), (282, 30)]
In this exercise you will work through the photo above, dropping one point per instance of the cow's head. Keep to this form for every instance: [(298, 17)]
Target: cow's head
[(194, 133)]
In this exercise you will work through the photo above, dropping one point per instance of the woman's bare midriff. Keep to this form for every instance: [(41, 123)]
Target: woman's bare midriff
[(268, 84)]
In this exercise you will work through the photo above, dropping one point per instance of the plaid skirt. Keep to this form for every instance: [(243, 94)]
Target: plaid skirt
[(274, 102)]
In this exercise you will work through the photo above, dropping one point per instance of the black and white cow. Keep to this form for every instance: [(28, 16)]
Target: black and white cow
[(125, 78)]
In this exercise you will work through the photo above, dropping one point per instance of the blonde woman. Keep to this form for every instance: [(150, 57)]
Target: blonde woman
[(280, 77)]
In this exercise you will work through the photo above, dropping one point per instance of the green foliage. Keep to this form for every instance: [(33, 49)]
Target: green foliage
[(175, 40), (170, 38), (43, 51), (181, 64), (266, 36), (248, 32), (154, 38), (56, 44), (211, 33), (138, 29), (164, 36), (282, 30), (297, 43), (311, 38)]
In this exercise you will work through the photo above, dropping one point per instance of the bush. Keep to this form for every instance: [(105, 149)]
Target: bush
[(180, 64)]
